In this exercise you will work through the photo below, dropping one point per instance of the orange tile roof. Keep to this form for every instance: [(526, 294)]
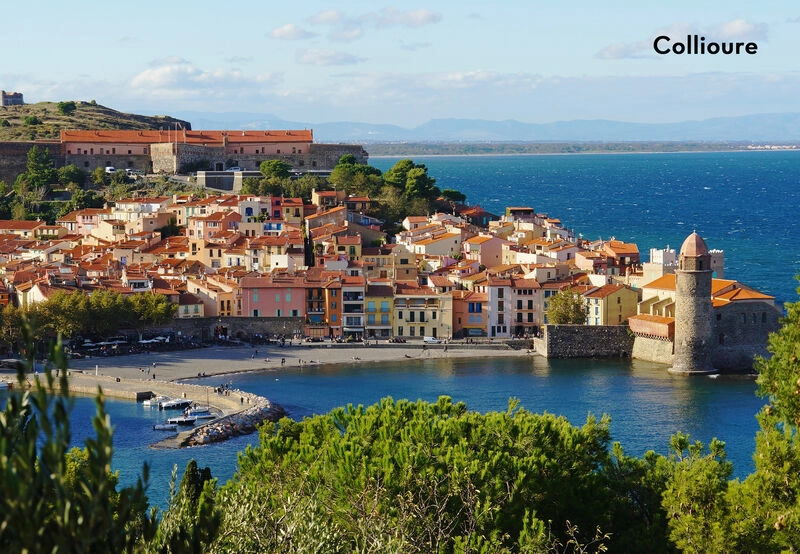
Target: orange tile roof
[(210, 138)]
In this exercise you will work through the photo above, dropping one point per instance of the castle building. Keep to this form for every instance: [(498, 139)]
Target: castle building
[(11, 98), (180, 150)]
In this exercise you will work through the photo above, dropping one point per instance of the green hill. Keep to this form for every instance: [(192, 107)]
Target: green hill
[(44, 120)]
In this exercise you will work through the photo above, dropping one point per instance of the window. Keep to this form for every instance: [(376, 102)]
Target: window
[(519, 304), (500, 292), (186, 309), (411, 317), (333, 318), (433, 315), (255, 313), (422, 331), (400, 314), (371, 306), (400, 331), (619, 300), (371, 319), (411, 331), (278, 298), (501, 306), (384, 305), (288, 297), (530, 304), (421, 317), (278, 313), (384, 319)]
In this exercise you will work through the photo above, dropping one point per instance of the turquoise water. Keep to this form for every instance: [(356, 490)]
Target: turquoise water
[(646, 404), (744, 203)]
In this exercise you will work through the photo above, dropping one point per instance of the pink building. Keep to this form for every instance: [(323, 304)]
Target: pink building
[(275, 295)]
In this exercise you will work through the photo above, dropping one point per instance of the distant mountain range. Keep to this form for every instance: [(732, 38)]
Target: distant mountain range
[(760, 128)]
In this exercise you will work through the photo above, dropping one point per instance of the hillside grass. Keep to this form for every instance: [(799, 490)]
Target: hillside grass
[(87, 115)]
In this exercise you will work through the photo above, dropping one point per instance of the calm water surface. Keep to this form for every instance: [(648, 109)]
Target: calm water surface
[(646, 404)]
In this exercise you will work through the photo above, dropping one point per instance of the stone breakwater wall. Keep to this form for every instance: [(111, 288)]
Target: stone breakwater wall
[(233, 425), (585, 341)]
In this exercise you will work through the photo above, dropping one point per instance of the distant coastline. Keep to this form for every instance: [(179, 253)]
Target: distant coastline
[(395, 149)]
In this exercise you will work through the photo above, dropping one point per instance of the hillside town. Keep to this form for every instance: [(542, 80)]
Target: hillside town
[(328, 266)]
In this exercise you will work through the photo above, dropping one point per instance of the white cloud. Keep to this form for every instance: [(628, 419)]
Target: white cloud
[(346, 33), (390, 17), (328, 17), (326, 57), (739, 29), (290, 31), (182, 80), (345, 28)]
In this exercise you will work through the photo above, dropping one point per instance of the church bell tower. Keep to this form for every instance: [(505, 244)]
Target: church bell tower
[(694, 323)]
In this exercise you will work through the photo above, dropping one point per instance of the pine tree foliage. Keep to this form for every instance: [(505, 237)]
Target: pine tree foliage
[(53, 498)]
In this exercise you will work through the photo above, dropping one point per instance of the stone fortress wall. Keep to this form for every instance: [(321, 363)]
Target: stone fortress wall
[(585, 341)]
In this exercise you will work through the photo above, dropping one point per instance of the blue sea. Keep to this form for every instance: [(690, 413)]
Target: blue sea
[(744, 203)]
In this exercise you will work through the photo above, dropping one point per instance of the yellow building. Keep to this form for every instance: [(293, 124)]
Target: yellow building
[(610, 305), (420, 312), (378, 301)]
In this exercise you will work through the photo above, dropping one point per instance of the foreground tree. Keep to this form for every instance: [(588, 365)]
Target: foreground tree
[(416, 477), (52, 498)]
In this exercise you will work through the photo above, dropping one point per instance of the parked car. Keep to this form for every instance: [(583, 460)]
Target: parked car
[(111, 169), (235, 168), (431, 340)]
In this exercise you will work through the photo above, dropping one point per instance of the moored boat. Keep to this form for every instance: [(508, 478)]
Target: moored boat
[(155, 401), (165, 427), (177, 404), (182, 420), (200, 412)]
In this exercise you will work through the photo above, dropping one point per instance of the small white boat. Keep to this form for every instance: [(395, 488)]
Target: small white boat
[(155, 401), (182, 420), (177, 404), (165, 427), (200, 412)]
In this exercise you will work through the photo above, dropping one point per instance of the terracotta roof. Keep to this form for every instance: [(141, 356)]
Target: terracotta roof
[(603, 291), (694, 246), (20, 225), (210, 138)]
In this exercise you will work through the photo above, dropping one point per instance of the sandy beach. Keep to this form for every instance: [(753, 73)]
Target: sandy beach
[(160, 372)]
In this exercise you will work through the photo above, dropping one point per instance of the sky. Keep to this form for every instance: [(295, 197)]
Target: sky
[(405, 63)]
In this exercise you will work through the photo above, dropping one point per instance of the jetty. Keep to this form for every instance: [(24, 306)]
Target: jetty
[(240, 412)]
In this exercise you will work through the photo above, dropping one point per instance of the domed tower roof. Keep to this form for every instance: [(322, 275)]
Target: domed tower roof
[(694, 246)]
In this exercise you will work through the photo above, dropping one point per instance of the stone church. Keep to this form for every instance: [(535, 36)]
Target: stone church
[(698, 324)]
